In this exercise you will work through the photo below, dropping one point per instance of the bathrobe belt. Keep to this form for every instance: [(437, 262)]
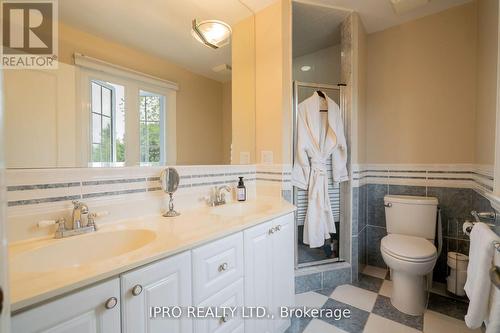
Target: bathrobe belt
[(318, 184)]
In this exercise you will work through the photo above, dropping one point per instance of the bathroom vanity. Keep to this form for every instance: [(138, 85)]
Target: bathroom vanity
[(230, 256)]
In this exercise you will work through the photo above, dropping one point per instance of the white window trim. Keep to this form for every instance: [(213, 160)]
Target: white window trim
[(88, 69), (124, 72)]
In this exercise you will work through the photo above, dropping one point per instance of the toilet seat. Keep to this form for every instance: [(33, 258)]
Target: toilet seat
[(408, 248)]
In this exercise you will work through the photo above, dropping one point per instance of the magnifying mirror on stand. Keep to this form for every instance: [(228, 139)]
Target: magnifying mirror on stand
[(169, 179)]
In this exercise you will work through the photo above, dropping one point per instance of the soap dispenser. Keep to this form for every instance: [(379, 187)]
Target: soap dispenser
[(241, 190)]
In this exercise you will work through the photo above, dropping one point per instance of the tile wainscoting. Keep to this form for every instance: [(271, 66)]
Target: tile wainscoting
[(459, 189)]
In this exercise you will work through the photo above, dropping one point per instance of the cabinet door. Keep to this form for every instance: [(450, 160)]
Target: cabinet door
[(166, 283), (92, 310), (258, 270), (283, 282)]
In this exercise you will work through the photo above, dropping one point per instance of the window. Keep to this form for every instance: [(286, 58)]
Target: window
[(151, 110), (107, 123), (116, 100)]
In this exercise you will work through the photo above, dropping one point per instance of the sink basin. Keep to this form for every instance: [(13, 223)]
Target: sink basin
[(241, 209), (77, 251)]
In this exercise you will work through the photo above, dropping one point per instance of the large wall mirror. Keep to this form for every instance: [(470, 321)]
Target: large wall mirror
[(162, 83)]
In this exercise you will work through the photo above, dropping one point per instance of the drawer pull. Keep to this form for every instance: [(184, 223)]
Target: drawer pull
[(271, 231), (223, 267), (223, 320), (111, 303), (278, 228), (137, 290)]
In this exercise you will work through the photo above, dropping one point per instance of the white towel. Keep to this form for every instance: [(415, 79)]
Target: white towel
[(478, 283), (493, 325)]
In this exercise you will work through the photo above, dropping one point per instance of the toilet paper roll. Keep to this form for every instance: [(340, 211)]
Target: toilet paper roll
[(467, 227)]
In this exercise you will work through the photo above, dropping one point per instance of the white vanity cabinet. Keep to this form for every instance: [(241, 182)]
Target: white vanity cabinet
[(269, 271), (252, 268), (94, 309), (166, 283)]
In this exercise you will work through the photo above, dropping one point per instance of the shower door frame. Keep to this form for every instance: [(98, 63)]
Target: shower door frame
[(344, 189)]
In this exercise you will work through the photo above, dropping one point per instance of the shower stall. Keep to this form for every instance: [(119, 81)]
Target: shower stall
[(332, 251)]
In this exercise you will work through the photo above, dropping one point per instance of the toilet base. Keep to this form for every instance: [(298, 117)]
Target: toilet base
[(409, 292)]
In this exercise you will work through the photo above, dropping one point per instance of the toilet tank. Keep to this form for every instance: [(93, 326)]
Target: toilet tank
[(411, 215)]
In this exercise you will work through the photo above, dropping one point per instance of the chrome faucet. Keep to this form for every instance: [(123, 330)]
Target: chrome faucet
[(82, 222), (80, 210), (218, 197)]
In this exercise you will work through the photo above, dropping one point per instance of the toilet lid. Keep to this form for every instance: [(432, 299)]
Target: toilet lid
[(408, 247)]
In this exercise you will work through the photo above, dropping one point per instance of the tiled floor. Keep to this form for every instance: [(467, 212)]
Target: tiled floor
[(372, 312)]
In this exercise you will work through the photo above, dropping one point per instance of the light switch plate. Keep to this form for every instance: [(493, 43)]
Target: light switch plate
[(266, 157), (244, 157)]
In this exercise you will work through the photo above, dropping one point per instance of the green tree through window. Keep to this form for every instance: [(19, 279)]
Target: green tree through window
[(151, 109)]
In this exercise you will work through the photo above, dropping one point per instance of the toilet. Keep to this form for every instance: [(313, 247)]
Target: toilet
[(408, 249)]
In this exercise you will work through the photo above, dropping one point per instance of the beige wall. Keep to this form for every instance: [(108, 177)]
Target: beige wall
[(421, 90), (226, 122), (199, 99), (243, 90), (358, 142), (273, 81), (486, 89), (268, 45)]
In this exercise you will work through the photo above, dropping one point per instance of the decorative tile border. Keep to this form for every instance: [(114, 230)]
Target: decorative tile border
[(36, 187), (477, 177), (275, 173)]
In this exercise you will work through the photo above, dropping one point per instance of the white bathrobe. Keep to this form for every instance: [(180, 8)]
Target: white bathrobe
[(318, 138)]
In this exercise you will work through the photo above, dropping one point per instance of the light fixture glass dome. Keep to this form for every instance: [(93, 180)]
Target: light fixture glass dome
[(212, 33)]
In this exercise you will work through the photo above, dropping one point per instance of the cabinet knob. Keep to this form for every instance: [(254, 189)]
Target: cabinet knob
[(222, 320), (111, 303), (137, 290), (271, 231), (278, 228), (223, 267)]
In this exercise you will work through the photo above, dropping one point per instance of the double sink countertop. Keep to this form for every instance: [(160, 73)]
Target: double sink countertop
[(45, 268)]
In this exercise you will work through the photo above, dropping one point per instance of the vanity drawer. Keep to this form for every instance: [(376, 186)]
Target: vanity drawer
[(216, 265), (231, 296)]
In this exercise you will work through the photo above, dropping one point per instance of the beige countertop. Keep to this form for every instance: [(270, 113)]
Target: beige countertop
[(165, 237)]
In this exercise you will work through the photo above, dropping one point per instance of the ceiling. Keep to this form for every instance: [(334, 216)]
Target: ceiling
[(379, 15), (315, 28), (161, 28)]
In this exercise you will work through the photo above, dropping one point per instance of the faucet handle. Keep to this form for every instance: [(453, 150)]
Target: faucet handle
[(48, 223)]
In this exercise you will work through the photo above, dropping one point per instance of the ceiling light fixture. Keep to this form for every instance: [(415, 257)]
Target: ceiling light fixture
[(305, 68), (212, 33)]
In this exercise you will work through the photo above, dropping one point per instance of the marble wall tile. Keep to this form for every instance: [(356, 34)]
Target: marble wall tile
[(454, 202), (480, 203), (407, 190), (309, 282), (354, 257), (336, 277), (361, 250), (375, 204), (373, 237), (362, 208), (355, 211)]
